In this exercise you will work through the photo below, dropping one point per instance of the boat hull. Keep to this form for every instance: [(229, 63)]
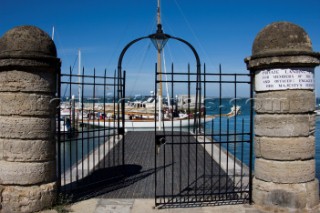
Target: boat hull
[(136, 124)]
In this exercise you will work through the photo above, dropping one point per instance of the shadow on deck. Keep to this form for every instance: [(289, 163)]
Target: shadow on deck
[(179, 172)]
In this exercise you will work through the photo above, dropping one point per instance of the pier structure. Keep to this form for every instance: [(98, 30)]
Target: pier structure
[(283, 65), (29, 69)]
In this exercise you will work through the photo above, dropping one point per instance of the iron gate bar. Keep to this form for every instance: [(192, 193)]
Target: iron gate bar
[(104, 117), (204, 129), (123, 115), (70, 153), (227, 173), (82, 130), (235, 125), (172, 153), (58, 131), (94, 127), (189, 95), (252, 136)]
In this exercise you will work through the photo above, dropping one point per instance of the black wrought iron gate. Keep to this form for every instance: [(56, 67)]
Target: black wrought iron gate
[(203, 151), (203, 138), (89, 128)]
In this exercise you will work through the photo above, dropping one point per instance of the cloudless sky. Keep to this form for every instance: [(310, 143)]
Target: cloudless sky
[(222, 31)]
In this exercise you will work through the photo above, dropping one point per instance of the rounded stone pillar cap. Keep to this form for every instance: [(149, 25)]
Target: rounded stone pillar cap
[(281, 38), (27, 42), (282, 44)]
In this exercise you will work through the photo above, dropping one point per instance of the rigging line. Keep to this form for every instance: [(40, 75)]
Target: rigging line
[(152, 28), (140, 67), (184, 49), (192, 31), (124, 33), (149, 30), (56, 36), (74, 64), (59, 44), (165, 74), (136, 50), (120, 38), (171, 55)]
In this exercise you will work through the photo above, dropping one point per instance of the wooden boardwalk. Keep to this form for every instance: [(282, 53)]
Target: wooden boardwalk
[(184, 169)]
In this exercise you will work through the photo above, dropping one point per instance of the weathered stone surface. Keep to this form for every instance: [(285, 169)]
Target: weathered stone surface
[(27, 41), (33, 65), (282, 44), (27, 150), (299, 148), (285, 196), (18, 199), (27, 81), (294, 125), (27, 127), (287, 101), (26, 104), (1, 150), (17, 173), (285, 171), (254, 64), (281, 37)]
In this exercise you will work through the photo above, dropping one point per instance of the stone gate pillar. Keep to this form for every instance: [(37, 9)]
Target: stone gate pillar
[(28, 73), (283, 65)]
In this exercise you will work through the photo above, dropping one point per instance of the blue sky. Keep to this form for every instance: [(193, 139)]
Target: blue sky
[(221, 31)]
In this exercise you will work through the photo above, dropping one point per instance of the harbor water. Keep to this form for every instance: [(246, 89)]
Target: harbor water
[(76, 148)]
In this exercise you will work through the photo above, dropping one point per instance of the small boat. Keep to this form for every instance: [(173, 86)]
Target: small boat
[(65, 120), (235, 110), (66, 127), (137, 122)]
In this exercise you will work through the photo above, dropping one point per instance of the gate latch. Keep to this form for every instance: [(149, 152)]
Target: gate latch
[(121, 131), (160, 140)]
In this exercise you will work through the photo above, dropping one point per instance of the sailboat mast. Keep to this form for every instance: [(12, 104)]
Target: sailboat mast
[(52, 35), (158, 13), (79, 77), (159, 51), (159, 68)]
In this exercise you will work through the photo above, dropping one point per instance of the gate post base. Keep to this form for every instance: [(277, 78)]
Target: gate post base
[(27, 198), (277, 197)]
